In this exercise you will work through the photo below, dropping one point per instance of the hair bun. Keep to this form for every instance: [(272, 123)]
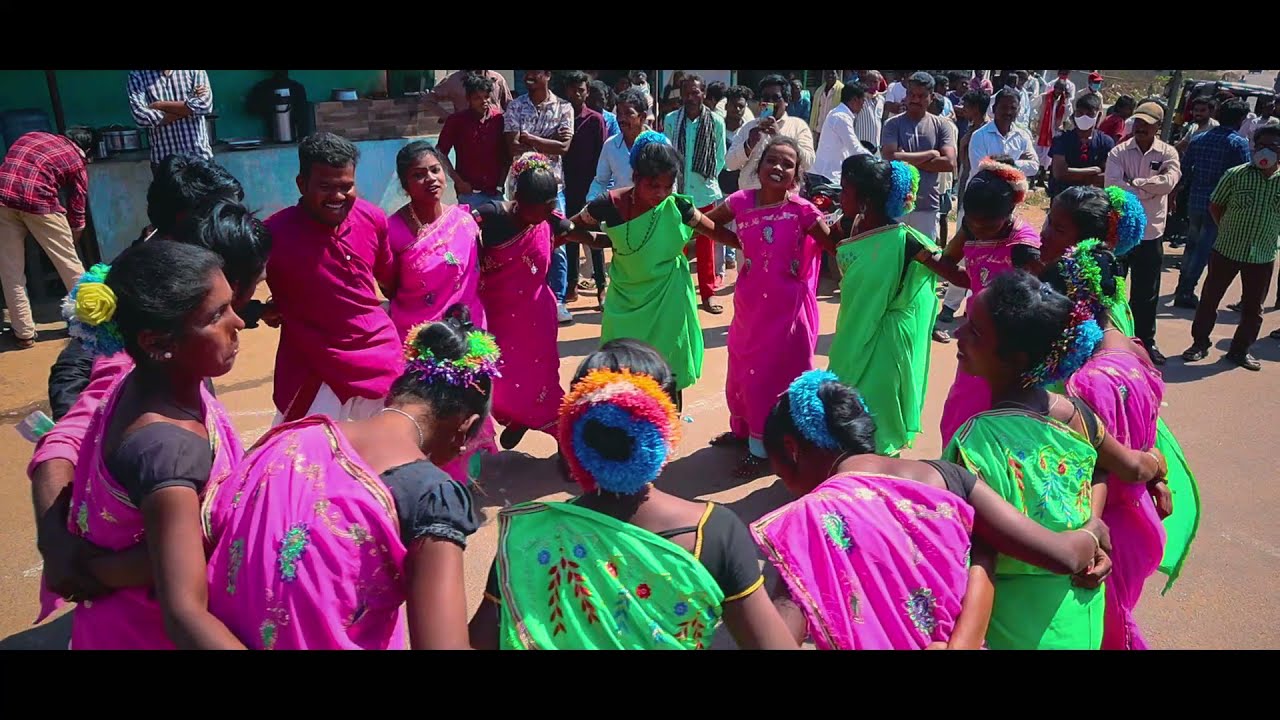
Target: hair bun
[(617, 431)]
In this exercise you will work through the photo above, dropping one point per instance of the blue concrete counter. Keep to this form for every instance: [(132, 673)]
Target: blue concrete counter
[(118, 186)]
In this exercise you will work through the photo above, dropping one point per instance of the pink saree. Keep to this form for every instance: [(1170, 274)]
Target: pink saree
[(438, 267), (521, 311), (101, 512), (984, 261), (306, 546), (875, 562), (1126, 393), (775, 307)]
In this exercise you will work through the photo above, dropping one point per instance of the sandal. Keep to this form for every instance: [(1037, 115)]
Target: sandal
[(24, 343), (1194, 354), (586, 285), (712, 308), (752, 467), (728, 439), (941, 336)]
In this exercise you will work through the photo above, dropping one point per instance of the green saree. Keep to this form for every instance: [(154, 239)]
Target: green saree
[(881, 345), (575, 579), (1045, 470)]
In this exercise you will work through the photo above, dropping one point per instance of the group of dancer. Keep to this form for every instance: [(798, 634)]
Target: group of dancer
[(347, 527)]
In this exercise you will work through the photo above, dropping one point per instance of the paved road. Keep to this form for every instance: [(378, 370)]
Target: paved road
[(1225, 417)]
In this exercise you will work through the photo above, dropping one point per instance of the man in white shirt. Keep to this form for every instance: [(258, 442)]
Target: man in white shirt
[(1002, 136), (748, 144), (896, 96), (839, 140)]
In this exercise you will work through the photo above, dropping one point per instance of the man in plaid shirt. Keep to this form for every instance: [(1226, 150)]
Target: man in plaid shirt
[(172, 105), (38, 166)]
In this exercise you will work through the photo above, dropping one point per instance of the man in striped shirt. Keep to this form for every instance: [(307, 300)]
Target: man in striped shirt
[(869, 120), (172, 105)]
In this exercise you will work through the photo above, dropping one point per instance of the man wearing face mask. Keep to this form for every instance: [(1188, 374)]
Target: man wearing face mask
[(1148, 167), (1246, 206), (1079, 157), (1095, 86), (339, 352)]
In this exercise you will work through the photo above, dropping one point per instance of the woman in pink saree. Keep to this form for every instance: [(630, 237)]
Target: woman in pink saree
[(437, 258), (521, 309), (775, 308), (156, 440), (882, 554), (992, 241), (325, 531), (1125, 389)]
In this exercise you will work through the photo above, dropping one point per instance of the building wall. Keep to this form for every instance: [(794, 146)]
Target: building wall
[(98, 97), (118, 189)]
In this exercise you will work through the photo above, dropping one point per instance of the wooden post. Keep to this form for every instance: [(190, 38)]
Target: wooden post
[(1171, 99), (55, 98)]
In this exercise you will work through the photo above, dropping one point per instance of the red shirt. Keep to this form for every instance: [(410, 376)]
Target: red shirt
[(481, 149), (1113, 125), (36, 167)]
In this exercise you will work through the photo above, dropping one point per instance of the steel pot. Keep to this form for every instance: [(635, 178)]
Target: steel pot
[(131, 140)]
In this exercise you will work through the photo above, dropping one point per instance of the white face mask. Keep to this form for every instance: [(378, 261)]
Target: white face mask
[(1086, 122)]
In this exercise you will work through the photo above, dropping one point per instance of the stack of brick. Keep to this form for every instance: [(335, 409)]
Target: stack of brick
[(376, 119)]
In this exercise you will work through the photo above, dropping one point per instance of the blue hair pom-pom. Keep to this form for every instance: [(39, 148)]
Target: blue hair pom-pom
[(629, 475), (807, 411), (645, 138), (1087, 336)]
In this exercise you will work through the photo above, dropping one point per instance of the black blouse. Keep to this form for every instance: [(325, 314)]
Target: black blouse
[(604, 210), (498, 225), (160, 455), (429, 503)]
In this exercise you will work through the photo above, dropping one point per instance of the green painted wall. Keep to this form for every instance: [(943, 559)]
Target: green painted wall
[(97, 97)]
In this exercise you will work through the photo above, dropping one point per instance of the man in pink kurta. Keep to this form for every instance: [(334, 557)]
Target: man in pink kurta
[(339, 352)]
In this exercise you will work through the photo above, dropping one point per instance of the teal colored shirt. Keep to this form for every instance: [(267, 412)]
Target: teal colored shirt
[(704, 191)]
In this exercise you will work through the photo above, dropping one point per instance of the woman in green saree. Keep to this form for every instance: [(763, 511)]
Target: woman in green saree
[(1039, 450), (888, 298), (650, 296), (624, 566)]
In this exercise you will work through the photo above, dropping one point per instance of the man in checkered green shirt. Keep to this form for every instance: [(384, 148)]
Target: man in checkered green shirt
[(1246, 207)]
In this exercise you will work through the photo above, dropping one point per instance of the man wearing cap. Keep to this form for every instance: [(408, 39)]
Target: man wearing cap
[(1148, 167)]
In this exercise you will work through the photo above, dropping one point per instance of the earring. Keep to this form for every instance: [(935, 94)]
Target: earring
[(462, 449)]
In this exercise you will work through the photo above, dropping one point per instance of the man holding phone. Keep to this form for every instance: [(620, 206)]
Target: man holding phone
[(748, 144), (1148, 167)]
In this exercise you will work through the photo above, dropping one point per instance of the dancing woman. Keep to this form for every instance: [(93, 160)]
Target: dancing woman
[(775, 308), (849, 549), (992, 241), (157, 439), (518, 237), (437, 260), (1039, 450), (651, 296), (888, 299), (1123, 387), (625, 565), (333, 536)]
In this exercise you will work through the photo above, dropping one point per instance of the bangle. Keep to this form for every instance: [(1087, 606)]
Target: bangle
[(1097, 544), (1160, 469)]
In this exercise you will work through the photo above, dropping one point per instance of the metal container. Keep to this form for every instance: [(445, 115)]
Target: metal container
[(114, 139), (345, 95), (282, 120), (131, 139)]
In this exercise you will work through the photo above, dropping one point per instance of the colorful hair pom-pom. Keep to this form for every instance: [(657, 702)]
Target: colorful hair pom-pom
[(807, 411), (904, 188), (481, 359), (646, 138), (1128, 221), (528, 161), (1008, 173), (630, 404), (90, 310), (1069, 352)]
